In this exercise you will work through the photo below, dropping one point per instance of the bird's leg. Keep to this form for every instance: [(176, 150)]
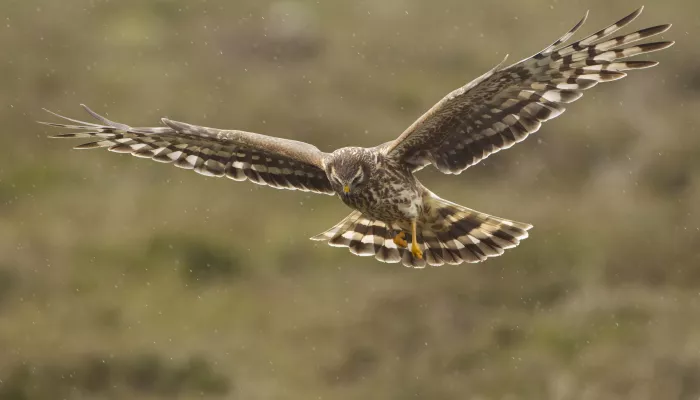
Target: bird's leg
[(399, 239), (417, 253)]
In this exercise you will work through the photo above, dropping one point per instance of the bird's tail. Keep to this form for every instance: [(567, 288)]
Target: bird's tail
[(448, 234)]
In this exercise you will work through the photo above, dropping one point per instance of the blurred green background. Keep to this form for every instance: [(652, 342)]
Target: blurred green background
[(122, 278)]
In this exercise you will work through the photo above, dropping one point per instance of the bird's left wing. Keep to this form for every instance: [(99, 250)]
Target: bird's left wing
[(239, 155), (503, 106)]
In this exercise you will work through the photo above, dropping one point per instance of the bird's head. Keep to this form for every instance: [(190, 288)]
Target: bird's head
[(348, 169)]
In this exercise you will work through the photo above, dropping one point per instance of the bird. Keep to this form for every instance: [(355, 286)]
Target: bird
[(394, 217)]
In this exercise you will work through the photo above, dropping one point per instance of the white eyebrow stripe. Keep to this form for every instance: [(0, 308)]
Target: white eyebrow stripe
[(358, 173), (334, 177)]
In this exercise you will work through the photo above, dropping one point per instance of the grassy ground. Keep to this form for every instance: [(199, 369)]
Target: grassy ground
[(121, 278)]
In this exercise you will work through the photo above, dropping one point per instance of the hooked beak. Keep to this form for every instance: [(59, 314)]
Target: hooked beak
[(346, 189)]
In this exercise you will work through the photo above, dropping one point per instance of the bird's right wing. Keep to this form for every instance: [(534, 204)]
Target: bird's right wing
[(239, 155)]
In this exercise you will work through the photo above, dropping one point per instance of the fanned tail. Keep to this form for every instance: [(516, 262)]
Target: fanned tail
[(451, 234)]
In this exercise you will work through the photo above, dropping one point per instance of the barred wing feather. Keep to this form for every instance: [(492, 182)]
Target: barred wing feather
[(265, 160)]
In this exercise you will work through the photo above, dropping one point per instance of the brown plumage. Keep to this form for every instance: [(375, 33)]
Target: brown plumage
[(493, 112)]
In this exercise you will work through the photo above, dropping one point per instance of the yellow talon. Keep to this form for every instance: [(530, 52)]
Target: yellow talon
[(416, 251), (399, 239)]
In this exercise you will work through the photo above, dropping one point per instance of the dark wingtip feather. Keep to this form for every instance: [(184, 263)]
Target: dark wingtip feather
[(607, 76), (633, 15), (576, 27), (500, 64), (549, 49), (54, 124), (121, 148), (640, 64), (65, 135), (104, 120), (67, 119), (179, 126), (655, 30), (581, 22), (655, 46), (85, 146), (630, 17)]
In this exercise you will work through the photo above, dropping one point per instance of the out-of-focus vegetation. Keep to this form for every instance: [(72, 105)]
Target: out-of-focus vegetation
[(122, 278)]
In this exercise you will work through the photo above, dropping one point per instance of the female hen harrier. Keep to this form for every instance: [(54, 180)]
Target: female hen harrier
[(391, 207)]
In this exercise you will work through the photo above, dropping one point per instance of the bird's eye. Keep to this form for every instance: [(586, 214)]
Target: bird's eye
[(358, 176)]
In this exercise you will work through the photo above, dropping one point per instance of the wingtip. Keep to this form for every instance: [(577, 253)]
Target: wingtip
[(636, 13), (92, 113), (658, 29), (649, 64), (104, 120), (176, 125), (629, 17), (50, 124), (582, 21), (659, 45), (89, 110), (169, 123), (82, 123), (53, 113)]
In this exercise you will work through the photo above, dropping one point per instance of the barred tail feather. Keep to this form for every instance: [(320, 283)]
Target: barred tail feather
[(458, 234), (364, 237), (452, 234)]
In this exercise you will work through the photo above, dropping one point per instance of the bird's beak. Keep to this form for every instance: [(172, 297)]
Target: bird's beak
[(346, 189)]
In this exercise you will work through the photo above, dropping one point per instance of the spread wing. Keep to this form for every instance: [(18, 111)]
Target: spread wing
[(266, 160), (504, 106)]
